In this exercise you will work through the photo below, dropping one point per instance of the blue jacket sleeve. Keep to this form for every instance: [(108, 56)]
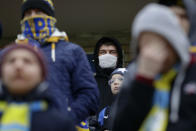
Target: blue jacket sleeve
[(101, 117), (84, 87)]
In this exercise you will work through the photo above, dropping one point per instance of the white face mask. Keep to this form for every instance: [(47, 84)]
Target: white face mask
[(107, 61)]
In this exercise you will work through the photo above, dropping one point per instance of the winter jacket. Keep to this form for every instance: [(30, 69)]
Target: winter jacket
[(70, 77), (135, 102), (102, 75), (51, 119), (71, 80)]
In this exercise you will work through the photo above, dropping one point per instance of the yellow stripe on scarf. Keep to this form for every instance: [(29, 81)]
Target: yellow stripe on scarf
[(165, 81), (17, 116), (192, 49), (83, 126), (3, 105), (10, 114), (57, 38)]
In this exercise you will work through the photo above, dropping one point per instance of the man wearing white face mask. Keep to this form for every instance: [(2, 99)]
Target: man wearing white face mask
[(107, 57)]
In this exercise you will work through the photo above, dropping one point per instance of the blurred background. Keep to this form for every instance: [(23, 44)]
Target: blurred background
[(85, 21)]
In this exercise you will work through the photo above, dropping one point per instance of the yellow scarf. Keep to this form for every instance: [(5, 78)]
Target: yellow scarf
[(157, 119), (17, 116)]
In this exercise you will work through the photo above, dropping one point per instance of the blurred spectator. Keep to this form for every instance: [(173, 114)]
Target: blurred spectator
[(70, 78), (162, 93), (25, 103), (186, 12), (178, 7)]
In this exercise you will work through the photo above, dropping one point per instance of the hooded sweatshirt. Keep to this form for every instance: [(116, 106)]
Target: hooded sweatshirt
[(102, 75), (136, 97)]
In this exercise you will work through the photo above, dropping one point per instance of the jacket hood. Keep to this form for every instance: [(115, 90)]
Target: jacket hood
[(100, 42), (161, 20)]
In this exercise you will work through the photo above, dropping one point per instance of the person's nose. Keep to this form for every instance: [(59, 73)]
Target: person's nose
[(107, 52), (32, 13), (18, 65), (116, 82)]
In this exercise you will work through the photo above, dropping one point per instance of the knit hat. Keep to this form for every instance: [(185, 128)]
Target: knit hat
[(172, 3), (120, 71), (44, 5), (161, 20), (36, 52)]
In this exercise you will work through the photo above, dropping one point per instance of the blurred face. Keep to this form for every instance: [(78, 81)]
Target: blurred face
[(115, 83), (21, 71), (108, 49), (182, 17), (34, 12), (158, 47)]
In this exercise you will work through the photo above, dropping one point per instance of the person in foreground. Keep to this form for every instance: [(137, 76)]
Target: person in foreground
[(162, 94), (25, 104)]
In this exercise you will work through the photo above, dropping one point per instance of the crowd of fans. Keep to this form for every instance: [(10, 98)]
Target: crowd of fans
[(47, 83)]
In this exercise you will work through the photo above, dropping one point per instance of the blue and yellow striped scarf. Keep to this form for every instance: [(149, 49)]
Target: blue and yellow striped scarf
[(39, 29), (17, 116), (157, 119)]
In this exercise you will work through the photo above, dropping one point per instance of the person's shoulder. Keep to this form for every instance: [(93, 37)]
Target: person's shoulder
[(69, 45)]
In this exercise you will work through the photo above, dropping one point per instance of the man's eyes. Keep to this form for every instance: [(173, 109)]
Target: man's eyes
[(102, 52), (113, 52), (110, 52)]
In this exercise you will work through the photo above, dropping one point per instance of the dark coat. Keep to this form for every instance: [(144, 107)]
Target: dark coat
[(135, 101), (102, 75)]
